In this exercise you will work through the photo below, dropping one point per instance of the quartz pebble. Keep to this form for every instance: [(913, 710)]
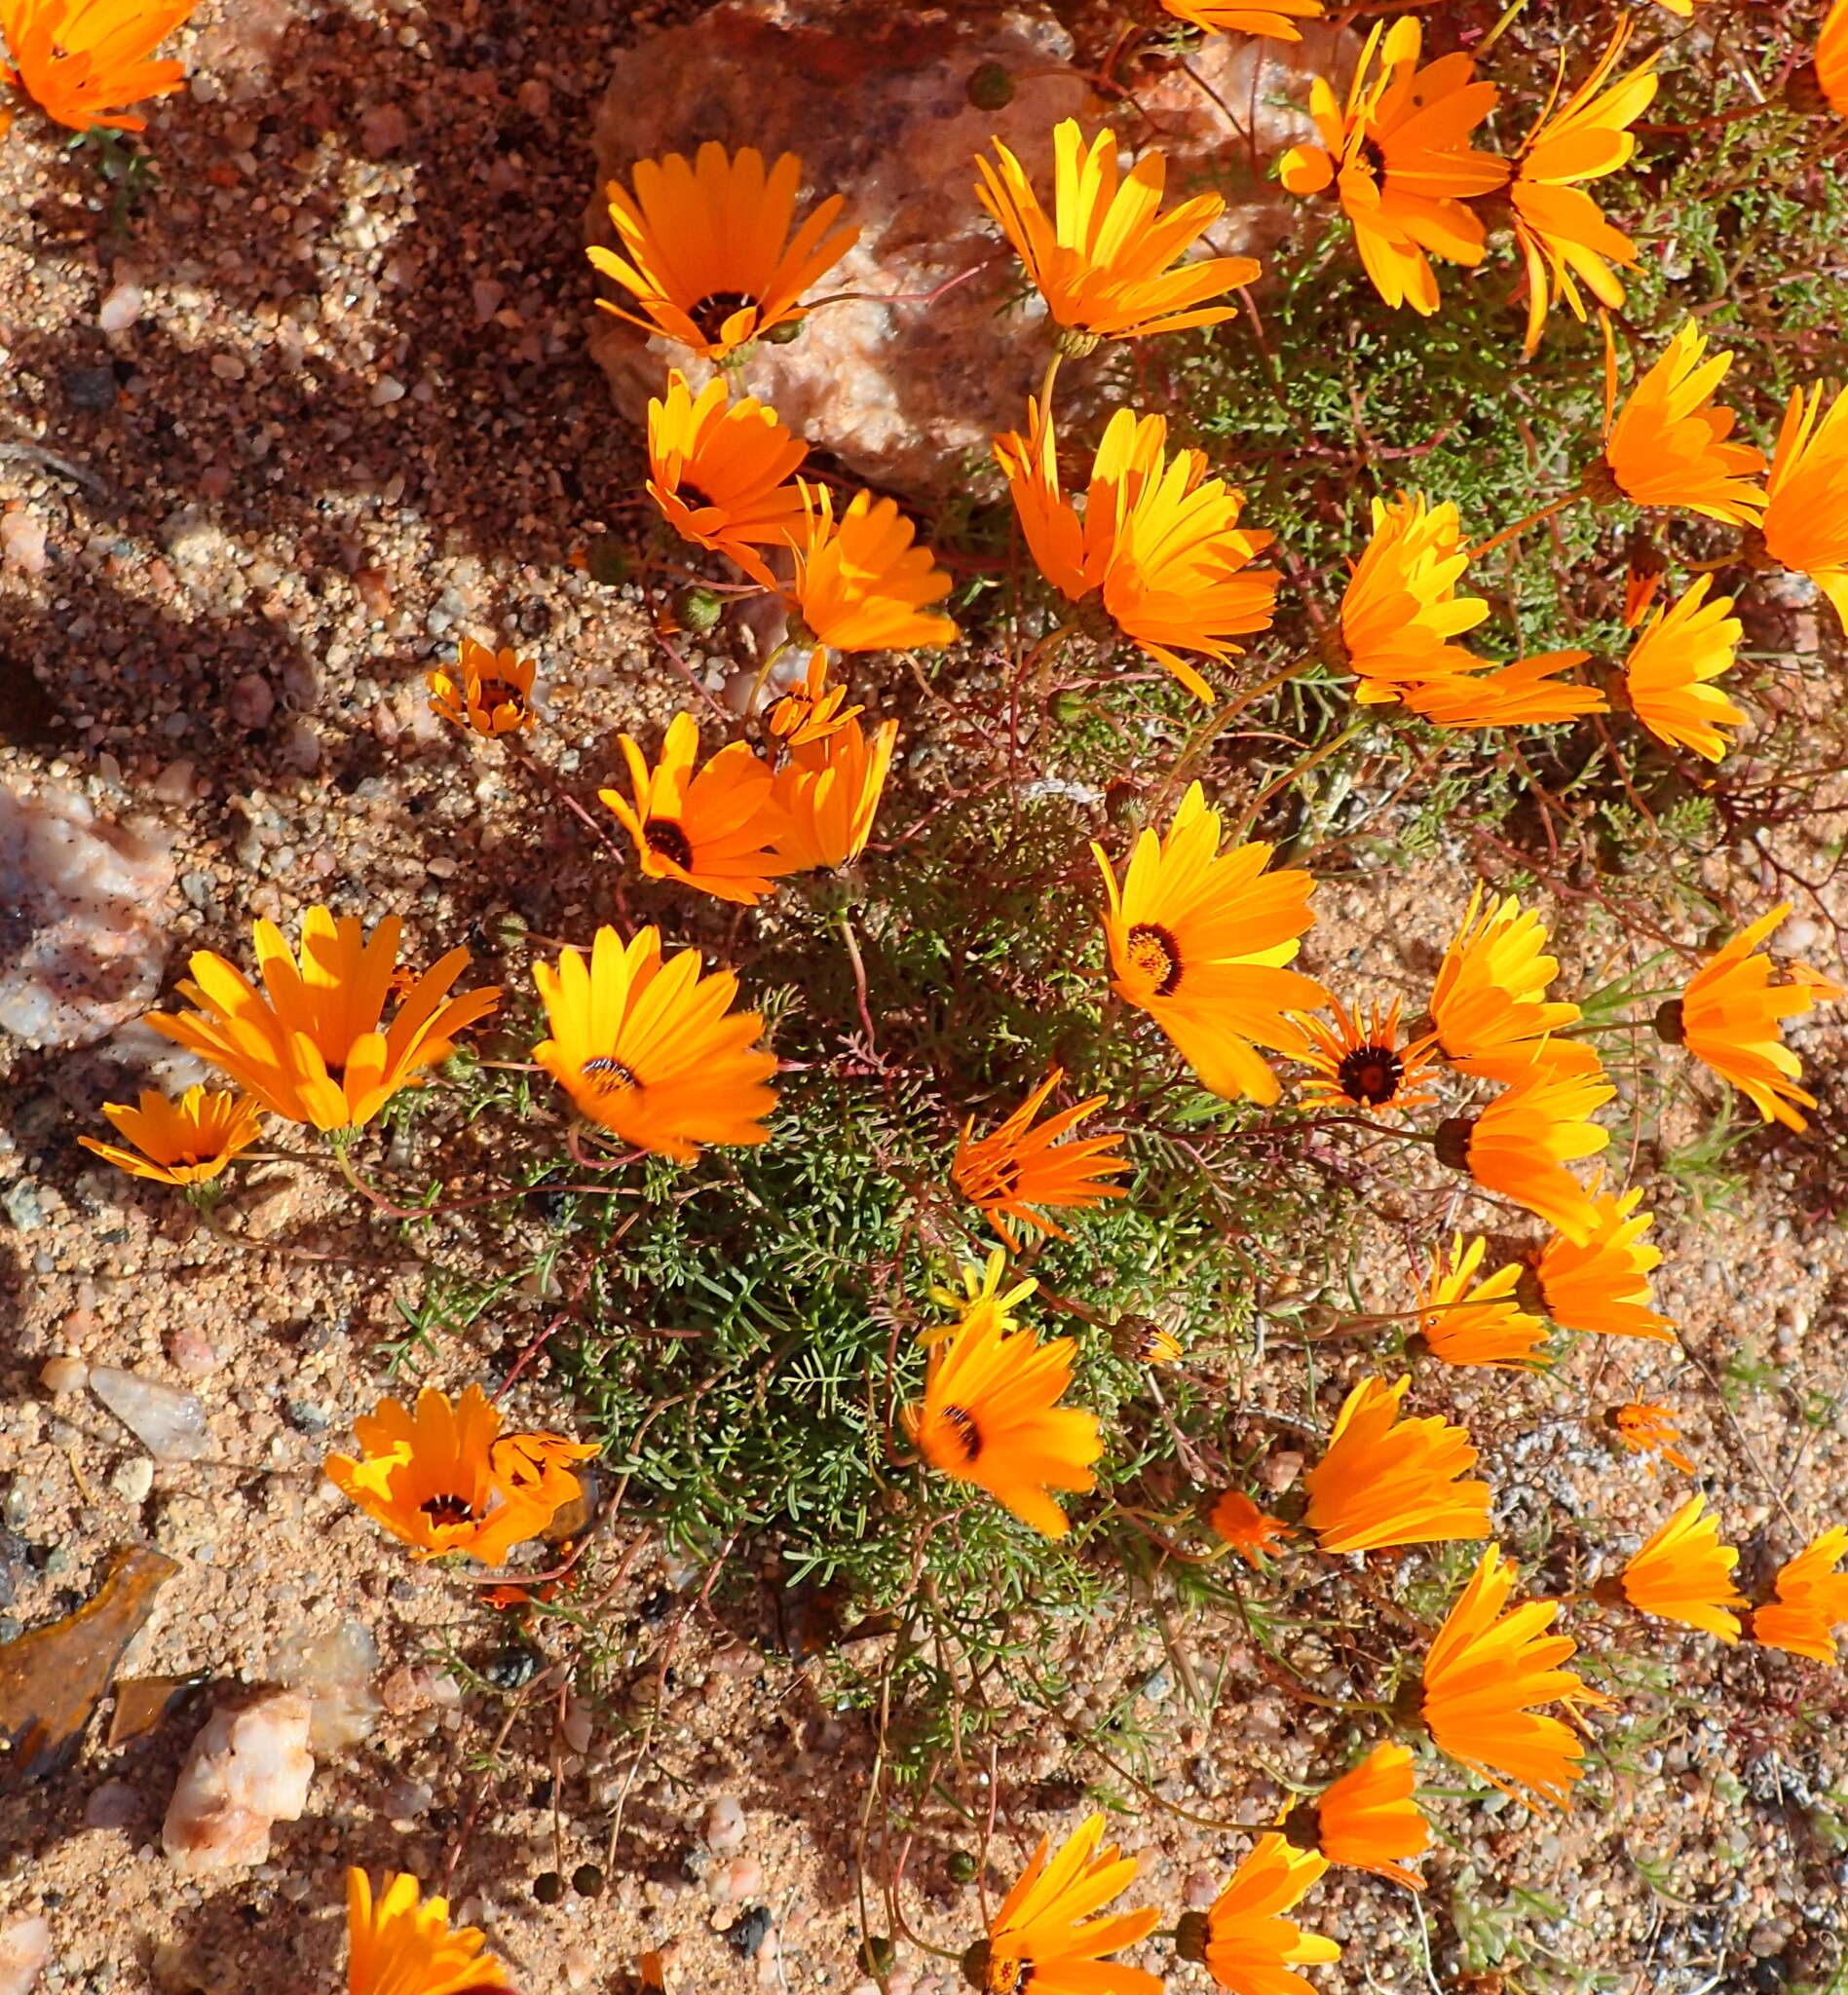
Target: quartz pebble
[(171, 1424), (113, 1805), (122, 306), (731, 1884), (133, 1479), (333, 1669), (191, 1352), (723, 1829), (246, 1770), (22, 543), (25, 1946), (63, 1374)]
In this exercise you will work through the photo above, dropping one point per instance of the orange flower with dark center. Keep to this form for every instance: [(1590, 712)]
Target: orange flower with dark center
[(1809, 1602), (81, 61), (1668, 446), (1484, 1670), (1489, 1012), (1601, 1284), (1683, 1573), (1048, 1936), (187, 1141), (1519, 1146), (1463, 1321), (1017, 1168), (1236, 1520), (1359, 1061), (1645, 1429), (860, 582), (488, 692), (990, 1416), (1367, 1820), (1805, 524), (810, 710), (1730, 1018), (721, 473), (1247, 1942), (717, 829), (1198, 939), (710, 257), (1389, 1481), (829, 790)]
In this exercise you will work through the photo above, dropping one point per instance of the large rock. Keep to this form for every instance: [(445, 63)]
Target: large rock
[(874, 99), (246, 1770)]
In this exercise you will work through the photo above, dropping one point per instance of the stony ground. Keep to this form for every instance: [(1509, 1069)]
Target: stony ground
[(306, 414)]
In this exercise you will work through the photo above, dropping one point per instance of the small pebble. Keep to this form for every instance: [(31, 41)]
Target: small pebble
[(404, 1799), (252, 701), (723, 1829), (383, 129), (63, 1374), (731, 1884), (122, 307), (191, 1352), (113, 1805), (22, 543), (169, 1424), (133, 1480), (387, 391)]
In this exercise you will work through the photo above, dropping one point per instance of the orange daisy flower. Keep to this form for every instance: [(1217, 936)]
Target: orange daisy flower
[(1805, 524), (1668, 445), (1810, 1601), (1367, 1820), (1484, 1672), (716, 830), (187, 1141), (81, 61), (1360, 1064), (1141, 1340), (1601, 1284), (1685, 1573), (1278, 21), (1246, 1942), (860, 584), (720, 471), (1047, 1936), (1645, 1429), (810, 710), (487, 693), (1560, 229), (708, 253), (1466, 1322), (1665, 679), (397, 1947), (1730, 1018), (1490, 1010), (1525, 693), (829, 790), (1519, 1145), (1016, 1167), (1399, 159), (652, 1050), (1157, 537), (1235, 1520), (1401, 610), (1105, 259), (308, 1047), (1387, 1480), (990, 1416), (1832, 69)]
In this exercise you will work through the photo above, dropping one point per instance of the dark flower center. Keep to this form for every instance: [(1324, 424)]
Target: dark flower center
[(1370, 1074), (967, 1434), (607, 1074), (714, 309), (1452, 1141), (1153, 951), (1004, 1177), (666, 838), (493, 692), (445, 1511), (1375, 157), (1302, 1827)]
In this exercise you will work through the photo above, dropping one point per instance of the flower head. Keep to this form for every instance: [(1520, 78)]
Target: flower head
[(1560, 229), (1359, 1062), (1017, 1168), (810, 710), (1387, 1480), (1484, 1672), (1685, 1573), (1805, 524), (1645, 1429), (1236, 1520), (1047, 1932), (1198, 939), (1463, 1321), (1103, 259), (1665, 678), (1492, 1016), (1521, 1142), (652, 1050), (187, 1141), (982, 1295), (1809, 1602), (715, 830), (1527, 693), (990, 1416), (1730, 1018), (1399, 159), (1367, 1820), (308, 1046), (1601, 1284), (1278, 20), (720, 471), (1246, 1942), (707, 249), (829, 791), (1668, 445), (488, 692), (1401, 610), (429, 1477), (82, 60), (860, 582), (397, 1947), (1159, 538)]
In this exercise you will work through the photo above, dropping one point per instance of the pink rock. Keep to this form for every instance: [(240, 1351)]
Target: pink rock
[(735, 1882), (252, 701), (246, 1770), (25, 1946), (191, 1352), (22, 543)]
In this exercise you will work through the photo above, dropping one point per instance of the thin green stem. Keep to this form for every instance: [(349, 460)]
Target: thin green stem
[(1521, 526)]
